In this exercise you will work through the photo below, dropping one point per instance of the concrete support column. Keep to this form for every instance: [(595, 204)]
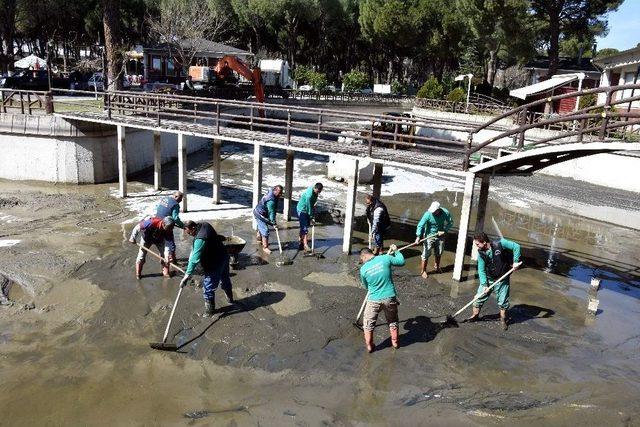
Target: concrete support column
[(288, 185), (122, 162), (217, 145), (257, 178), (182, 169), (482, 210), (157, 161), (350, 207), (377, 179), (465, 216)]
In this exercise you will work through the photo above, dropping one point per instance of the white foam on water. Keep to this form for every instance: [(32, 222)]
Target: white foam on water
[(5, 243)]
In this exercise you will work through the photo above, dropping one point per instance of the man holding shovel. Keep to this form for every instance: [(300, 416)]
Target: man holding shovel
[(208, 251), (154, 231), (306, 211), (379, 221), (265, 214), (376, 277), (170, 206), (495, 258), (435, 222)]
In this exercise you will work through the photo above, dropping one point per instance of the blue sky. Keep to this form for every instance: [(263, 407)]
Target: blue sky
[(623, 27)]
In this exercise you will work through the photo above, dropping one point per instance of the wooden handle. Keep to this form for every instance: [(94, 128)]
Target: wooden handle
[(173, 310), (504, 276), (160, 258), (362, 307)]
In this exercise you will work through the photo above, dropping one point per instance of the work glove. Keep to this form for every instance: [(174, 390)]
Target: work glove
[(392, 249), (441, 233), (185, 280), (417, 239)]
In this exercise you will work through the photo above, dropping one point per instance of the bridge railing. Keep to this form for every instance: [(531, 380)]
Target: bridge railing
[(339, 96), (25, 101), (283, 122), (612, 120), (460, 107)]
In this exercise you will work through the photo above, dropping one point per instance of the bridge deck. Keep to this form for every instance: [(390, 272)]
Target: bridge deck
[(449, 158)]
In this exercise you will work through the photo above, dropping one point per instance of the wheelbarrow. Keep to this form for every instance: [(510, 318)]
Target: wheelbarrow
[(234, 245)]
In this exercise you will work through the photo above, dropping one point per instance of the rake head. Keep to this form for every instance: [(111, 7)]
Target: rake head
[(163, 346)]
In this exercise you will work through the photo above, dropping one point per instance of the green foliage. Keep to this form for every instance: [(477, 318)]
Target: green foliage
[(457, 95), (302, 74), (399, 88), (607, 51), (318, 80), (431, 89), (354, 81), (588, 101)]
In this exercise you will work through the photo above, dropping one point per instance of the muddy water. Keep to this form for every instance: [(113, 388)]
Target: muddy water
[(288, 354)]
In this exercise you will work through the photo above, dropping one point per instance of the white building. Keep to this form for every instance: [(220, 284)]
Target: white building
[(620, 69)]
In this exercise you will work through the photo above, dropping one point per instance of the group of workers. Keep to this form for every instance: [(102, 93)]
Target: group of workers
[(495, 258)]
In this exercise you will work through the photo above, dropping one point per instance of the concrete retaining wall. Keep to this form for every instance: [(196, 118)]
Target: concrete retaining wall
[(46, 148)]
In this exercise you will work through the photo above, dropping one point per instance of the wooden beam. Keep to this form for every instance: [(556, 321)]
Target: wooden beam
[(465, 216), (350, 207)]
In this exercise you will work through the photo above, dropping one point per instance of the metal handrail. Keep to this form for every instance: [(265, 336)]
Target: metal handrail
[(578, 119)]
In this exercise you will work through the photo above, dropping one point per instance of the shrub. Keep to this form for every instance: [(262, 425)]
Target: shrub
[(318, 80), (588, 101), (302, 74), (398, 88), (431, 89), (457, 95), (354, 81)]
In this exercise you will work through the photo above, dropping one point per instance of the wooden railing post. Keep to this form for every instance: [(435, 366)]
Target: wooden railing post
[(48, 103), (371, 137), (523, 121), (217, 118), (21, 103), (251, 120), (467, 155), (605, 115), (288, 126), (581, 130), (107, 98), (195, 112), (158, 109)]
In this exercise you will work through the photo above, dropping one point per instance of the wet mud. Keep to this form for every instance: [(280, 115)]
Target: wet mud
[(287, 353)]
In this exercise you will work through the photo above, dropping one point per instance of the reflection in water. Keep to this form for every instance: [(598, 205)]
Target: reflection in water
[(551, 257)]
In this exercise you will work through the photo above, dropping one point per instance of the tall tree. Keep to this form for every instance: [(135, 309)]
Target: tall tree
[(568, 18), (7, 30), (497, 26), (112, 43)]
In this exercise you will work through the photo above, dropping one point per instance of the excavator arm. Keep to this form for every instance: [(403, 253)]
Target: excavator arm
[(228, 63)]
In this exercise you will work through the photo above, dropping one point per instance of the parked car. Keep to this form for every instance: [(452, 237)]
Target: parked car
[(305, 88), (330, 88), (366, 91), (95, 82)]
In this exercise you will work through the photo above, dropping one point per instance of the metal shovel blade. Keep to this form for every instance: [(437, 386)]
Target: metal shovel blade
[(283, 261), (163, 346)]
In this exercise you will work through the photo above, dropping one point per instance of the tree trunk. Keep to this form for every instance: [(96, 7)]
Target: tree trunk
[(554, 44), (491, 66), (112, 43), (8, 30)]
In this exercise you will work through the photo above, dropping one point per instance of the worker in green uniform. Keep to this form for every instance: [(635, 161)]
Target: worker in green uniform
[(435, 224), (495, 258), (376, 277), (306, 213)]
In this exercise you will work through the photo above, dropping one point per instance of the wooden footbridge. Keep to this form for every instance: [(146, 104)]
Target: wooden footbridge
[(514, 143)]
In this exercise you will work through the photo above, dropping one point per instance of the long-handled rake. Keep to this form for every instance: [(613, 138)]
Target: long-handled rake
[(451, 318), (164, 345), (313, 245)]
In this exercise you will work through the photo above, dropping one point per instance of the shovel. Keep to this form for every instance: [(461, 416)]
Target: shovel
[(451, 319), (283, 259), (313, 244), (164, 345)]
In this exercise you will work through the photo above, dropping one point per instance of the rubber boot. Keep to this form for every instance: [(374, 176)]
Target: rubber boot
[(139, 270), (423, 268), (503, 320), (265, 246), (368, 340), (229, 295), (475, 315), (436, 266), (395, 339), (209, 307)]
